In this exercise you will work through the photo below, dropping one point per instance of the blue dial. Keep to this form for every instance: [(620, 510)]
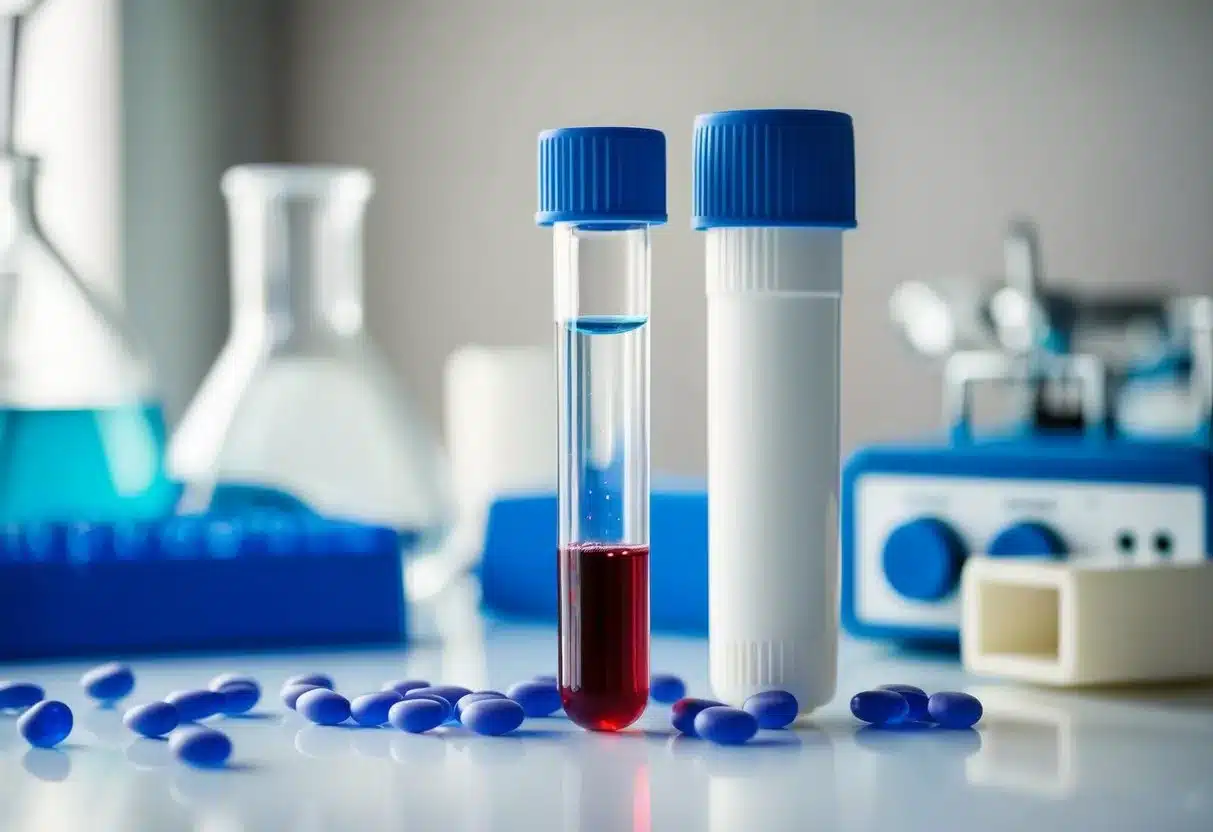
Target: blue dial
[(922, 559), (1027, 539)]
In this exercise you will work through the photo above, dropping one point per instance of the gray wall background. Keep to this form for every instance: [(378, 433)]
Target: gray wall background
[(1093, 116), (201, 89)]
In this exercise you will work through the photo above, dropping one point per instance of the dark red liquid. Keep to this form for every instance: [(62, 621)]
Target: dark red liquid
[(604, 633)]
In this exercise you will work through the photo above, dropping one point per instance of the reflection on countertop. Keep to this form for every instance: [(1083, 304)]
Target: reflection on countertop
[(1130, 759)]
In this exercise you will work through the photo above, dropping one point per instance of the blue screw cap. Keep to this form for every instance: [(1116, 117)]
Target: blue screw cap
[(602, 175), (772, 168)]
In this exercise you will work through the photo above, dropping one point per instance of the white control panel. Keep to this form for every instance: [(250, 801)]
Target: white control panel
[(1099, 522)]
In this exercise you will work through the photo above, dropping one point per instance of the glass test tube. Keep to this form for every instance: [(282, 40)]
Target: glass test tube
[(601, 189)]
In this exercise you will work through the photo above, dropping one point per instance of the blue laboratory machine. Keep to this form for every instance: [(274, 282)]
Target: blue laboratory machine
[(1072, 479)]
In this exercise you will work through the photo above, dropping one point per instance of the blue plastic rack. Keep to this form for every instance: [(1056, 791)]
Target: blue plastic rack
[(198, 583)]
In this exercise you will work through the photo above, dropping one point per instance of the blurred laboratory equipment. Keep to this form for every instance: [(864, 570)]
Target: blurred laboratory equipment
[(1092, 497), (198, 583), (299, 410), (1156, 405), (500, 411), (1148, 340), (81, 429)]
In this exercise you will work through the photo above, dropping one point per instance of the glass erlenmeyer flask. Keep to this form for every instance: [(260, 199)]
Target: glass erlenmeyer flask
[(299, 407), (81, 434)]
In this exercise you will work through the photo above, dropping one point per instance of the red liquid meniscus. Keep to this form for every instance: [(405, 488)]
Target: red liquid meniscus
[(604, 633)]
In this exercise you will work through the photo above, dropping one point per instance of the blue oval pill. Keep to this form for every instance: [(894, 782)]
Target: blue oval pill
[(725, 726), (324, 707), (916, 699), (203, 747), (403, 686), (682, 715), (447, 710), (239, 697), (952, 709), (493, 717), (418, 715), (371, 709), (46, 724), (155, 719), (475, 696), (17, 695), (451, 693), (227, 678), (536, 698), (317, 679), (108, 682), (879, 707), (193, 705), (291, 693), (666, 688), (772, 708)]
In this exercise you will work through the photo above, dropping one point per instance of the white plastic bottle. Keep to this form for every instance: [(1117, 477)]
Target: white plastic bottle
[(774, 189)]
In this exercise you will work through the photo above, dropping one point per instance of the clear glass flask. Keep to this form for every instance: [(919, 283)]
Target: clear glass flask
[(601, 189), (82, 433), (299, 410)]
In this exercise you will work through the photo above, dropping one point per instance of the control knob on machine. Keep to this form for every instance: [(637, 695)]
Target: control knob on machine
[(1027, 538), (922, 559)]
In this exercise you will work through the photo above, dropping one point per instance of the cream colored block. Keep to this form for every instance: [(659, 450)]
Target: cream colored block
[(1067, 625)]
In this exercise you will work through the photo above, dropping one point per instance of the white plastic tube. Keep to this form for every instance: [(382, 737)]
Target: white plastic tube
[(774, 320)]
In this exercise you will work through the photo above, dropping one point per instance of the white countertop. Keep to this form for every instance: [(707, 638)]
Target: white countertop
[(1140, 760)]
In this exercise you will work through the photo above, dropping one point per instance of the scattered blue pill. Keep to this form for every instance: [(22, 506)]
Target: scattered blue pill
[(536, 698), (772, 708), (475, 696), (371, 709), (879, 707), (916, 699), (227, 678), (201, 747), (725, 726), (239, 697), (193, 705), (155, 719), (46, 724), (451, 693), (291, 693), (18, 695), (418, 715), (108, 682), (324, 707), (954, 710), (447, 710), (682, 715), (493, 717), (317, 679), (666, 688), (403, 686)]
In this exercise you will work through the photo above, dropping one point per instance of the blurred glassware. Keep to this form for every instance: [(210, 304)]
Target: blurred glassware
[(82, 433), (1144, 337), (299, 410), (500, 411)]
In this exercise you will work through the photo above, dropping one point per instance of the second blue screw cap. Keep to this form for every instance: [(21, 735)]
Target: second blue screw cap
[(774, 168), (609, 175)]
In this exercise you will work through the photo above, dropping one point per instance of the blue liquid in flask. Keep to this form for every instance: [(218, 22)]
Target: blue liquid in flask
[(103, 464)]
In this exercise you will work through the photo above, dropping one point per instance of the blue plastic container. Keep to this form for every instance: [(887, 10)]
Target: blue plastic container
[(518, 567)]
